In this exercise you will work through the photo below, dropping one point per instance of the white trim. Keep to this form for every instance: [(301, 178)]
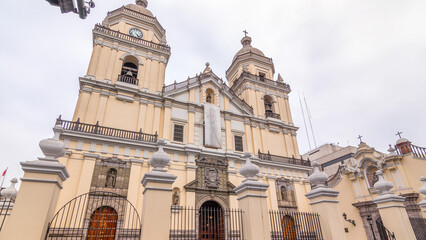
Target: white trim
[(42, 181)]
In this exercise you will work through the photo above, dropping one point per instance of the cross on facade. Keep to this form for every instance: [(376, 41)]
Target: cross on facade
[(245, 32), (360, 139), (398, 134)]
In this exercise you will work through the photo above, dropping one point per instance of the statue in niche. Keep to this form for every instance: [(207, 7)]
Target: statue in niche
[(111, 178), (209, 98), (175, 198)]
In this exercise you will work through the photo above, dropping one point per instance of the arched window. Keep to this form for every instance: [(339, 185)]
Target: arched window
[(103, 223), (111, 178), (372, 178), (129, 70)]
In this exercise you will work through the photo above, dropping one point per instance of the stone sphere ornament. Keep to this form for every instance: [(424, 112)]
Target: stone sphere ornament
[(159, 159), (53, 148), (382, 185), (317, 178), (249, 170)]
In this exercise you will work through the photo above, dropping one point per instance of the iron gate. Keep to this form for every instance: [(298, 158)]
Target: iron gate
[(96, 215), (295, 226)]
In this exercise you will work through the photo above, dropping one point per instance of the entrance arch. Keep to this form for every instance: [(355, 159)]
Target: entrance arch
[(289, 230), (211, 221), (103, 224)]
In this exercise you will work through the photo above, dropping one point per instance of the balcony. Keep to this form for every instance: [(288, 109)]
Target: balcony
[(270, 157), (77, 126), (128, 79), (272, 115)]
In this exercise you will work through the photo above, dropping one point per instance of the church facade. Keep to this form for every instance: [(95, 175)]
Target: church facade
[(196, 159)]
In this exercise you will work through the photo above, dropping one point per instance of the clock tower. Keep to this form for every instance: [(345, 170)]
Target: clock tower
[(126, 72)]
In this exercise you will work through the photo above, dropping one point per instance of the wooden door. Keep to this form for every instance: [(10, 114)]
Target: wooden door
[(103, 224), (289, 230)]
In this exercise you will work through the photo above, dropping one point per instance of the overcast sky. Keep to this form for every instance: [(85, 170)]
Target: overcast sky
[(360, 64)]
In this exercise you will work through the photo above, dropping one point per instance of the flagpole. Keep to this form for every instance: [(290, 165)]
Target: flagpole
[(4, 176)]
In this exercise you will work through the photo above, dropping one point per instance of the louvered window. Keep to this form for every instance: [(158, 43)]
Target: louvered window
[(238, 143), (178, 133)]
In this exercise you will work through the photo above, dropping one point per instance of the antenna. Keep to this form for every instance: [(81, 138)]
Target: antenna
[(304, 121), (309, 118)]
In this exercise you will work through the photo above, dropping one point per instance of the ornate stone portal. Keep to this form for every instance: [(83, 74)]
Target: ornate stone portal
[(211, 181)]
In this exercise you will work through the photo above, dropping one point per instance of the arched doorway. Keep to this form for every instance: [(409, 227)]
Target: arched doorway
[(211, 221), (289, 230), (103, 224)]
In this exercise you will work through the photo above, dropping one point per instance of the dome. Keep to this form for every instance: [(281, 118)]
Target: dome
[(401, 140), (246, 42), (140, 7)]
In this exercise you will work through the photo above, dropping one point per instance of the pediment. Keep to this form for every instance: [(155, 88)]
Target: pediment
[(180, 92)]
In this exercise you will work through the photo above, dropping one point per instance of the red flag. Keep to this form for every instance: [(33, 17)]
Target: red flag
[(4, 173)]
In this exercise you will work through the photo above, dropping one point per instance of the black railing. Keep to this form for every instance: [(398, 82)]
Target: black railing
[(96, 215), (206, 223), (259, 79), (272, 115), (102, 29), (384, 232), (417, 151), (6, 205), (419, 227), (295, 226), (335, 178), (128, 79), (292, 160), (106, 131)]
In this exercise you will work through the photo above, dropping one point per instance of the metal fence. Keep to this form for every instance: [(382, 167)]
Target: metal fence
[(295, 226), (419, 227), (206, 223), (6, 205), (96, 215), (384, 232)]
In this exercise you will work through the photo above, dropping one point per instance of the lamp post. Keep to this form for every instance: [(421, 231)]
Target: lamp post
[(370, 221)]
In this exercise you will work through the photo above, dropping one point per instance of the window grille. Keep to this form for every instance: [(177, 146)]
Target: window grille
[(238, 143), (178, 133)]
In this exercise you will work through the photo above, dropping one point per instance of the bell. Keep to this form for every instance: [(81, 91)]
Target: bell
[(129, 73)]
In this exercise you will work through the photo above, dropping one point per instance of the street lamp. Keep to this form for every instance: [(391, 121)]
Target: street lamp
[(76, 6), (370, 221)]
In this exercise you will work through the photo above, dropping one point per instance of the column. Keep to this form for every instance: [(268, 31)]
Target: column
[(157, 195), (251, 196), (38, 194), (323, 200), (392, 210)]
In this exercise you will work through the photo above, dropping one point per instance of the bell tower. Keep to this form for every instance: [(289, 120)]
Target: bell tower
[(251, 77), (128, 63)]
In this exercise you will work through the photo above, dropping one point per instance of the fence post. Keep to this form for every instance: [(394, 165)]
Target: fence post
[(323, 201), (392, 210), (422, 190), (251, 198), (38, 195), (157, 197)]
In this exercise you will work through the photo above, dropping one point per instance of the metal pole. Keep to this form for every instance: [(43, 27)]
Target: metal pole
[(370, 221)]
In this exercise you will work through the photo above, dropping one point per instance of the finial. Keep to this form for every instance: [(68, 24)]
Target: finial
[(246, 40), (159, 159), (11, 191), (53, 148), (280, 79), (398, 134), (245, 33), (249, 170), (382, 185), (207, 69), (143, 3), (317, 178)]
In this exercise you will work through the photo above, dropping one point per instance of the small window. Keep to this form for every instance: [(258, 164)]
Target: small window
[(238, 143), (178, 133)]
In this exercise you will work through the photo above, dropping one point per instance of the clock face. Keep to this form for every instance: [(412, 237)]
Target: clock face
[(134, 32)]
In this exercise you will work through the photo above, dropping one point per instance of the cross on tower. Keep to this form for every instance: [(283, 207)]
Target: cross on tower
[(245, 32), (360, 139), (398, 134)]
